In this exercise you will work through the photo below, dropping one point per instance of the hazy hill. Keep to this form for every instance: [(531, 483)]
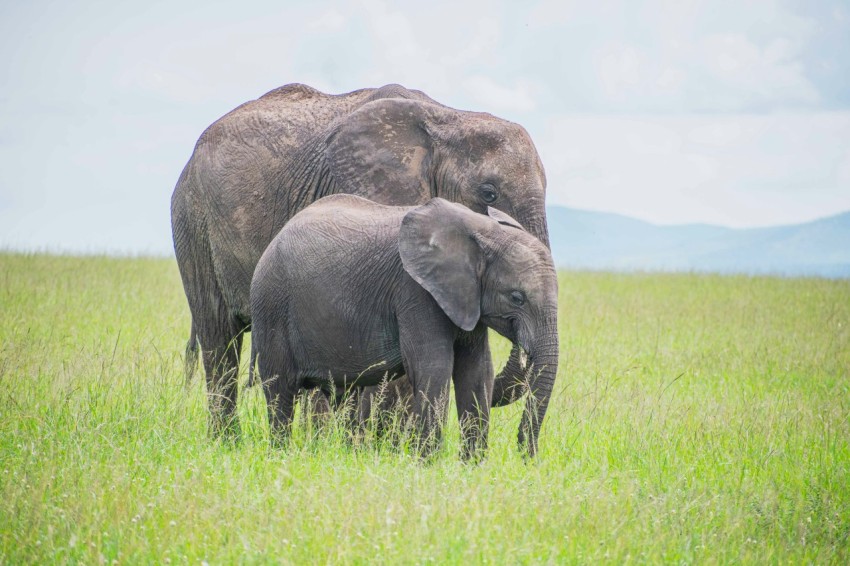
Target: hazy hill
[(599, 240)]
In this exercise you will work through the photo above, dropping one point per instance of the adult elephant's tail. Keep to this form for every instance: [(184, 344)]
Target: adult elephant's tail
[(190, 362)]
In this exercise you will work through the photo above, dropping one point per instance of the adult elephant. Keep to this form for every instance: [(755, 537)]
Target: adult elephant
[(257, 166)]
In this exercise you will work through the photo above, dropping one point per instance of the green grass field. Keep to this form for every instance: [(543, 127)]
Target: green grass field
[(696, 419)]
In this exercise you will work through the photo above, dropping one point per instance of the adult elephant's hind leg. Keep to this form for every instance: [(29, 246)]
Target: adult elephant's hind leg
[(219, 336), (221, 365)]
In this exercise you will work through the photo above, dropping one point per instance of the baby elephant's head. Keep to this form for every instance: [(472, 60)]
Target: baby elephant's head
[(487, 269)]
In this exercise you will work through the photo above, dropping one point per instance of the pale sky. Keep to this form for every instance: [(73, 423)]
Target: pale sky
[(731, 113)]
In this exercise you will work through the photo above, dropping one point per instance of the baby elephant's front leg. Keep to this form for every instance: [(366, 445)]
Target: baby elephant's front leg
[(473, 380), (428, 359)]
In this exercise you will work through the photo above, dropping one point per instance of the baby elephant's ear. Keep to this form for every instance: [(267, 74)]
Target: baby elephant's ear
[(437, 249), (503, 218)]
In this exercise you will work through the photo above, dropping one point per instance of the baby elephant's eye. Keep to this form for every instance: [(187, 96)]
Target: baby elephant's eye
[(518, 298), (488, 193)]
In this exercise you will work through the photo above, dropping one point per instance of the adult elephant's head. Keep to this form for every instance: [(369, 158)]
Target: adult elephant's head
[(405, 152)]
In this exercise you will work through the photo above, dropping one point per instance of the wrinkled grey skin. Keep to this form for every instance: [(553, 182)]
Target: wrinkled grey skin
[(257, 166), (350, 291)]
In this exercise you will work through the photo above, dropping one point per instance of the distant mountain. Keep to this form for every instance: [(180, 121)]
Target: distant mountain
[(598, 240)]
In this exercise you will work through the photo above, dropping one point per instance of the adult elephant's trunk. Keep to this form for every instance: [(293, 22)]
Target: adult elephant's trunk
[(538, 227), (543, 355), (510, 383), (532, 216)]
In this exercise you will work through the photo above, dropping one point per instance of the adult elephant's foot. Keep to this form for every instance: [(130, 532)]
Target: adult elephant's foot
[(221, 366), (223, 422), (226, 429)]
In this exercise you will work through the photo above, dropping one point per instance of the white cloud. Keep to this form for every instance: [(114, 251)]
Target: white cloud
[(490, 94), (734, 169), (842, 171), (329, 21), (432, 47), (741, 73), (621, 70), (551, 13), (660, 56), (716, 133), (670, 80), (726, 72)]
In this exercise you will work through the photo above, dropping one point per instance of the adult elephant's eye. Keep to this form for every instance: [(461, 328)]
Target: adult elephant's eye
[(518, 298), (488, 193)]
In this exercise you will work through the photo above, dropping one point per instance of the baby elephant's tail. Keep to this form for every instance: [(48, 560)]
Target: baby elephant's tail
[(191, 359)]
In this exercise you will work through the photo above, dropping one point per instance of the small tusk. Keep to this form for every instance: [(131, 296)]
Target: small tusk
[(523, 359)]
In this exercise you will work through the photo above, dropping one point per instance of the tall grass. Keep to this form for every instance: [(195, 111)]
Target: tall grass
[(695, 419)]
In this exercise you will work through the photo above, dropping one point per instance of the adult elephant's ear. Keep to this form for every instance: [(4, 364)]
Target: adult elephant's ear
[(438, 250), (383, 151)]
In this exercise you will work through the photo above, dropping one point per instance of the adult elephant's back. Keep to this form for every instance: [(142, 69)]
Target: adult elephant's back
[(235, 192)]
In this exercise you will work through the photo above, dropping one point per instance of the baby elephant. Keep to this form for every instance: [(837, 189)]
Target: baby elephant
[(350, 291)]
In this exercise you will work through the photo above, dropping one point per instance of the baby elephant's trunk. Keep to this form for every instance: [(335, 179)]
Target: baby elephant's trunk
[(544, 369)]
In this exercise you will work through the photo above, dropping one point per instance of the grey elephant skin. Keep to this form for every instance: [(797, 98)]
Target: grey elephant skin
[(257, 166), (350, 291)]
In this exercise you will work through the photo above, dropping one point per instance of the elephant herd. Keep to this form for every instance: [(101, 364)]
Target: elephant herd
[(364, 235)]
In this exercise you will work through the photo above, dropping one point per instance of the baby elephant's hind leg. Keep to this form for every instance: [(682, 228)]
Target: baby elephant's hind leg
[(280, 390)]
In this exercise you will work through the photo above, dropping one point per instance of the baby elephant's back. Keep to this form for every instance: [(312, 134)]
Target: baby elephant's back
[(339, 239)]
